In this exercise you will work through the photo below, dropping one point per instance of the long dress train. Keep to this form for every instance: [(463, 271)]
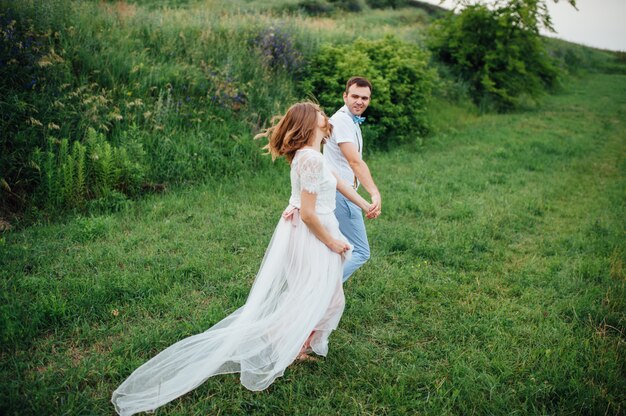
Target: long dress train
[(297, 291)]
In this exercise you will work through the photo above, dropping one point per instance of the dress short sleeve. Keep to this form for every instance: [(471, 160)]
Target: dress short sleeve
[(310, 169)]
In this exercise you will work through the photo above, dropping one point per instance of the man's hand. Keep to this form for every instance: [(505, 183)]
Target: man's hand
[(375, 208), (362, 172)]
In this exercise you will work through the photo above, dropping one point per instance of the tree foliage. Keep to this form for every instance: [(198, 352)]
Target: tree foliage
[(498, 50), (532, 13)]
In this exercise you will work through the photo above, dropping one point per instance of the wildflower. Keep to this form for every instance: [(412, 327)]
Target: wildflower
[(44, 62), (115, 116), (35, 122), (277, 50)]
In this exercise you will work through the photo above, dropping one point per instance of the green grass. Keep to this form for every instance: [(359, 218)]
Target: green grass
[(496, 284)]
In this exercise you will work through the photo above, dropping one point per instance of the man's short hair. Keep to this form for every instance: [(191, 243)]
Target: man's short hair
[(360, 82)]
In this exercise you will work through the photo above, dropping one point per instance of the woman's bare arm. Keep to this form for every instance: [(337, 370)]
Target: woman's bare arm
[(310, 218)]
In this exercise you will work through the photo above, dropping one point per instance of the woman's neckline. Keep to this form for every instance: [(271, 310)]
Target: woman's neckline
[(309, 148)]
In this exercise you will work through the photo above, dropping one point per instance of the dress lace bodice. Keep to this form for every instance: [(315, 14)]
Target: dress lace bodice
[(310, 173)]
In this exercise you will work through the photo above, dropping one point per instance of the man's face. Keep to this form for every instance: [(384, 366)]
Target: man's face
[(357, 99)]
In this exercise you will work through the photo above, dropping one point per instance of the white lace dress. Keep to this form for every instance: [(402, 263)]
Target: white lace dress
[(297, 291)]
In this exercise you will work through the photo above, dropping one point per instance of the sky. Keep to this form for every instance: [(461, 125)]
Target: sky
[(597, 23)]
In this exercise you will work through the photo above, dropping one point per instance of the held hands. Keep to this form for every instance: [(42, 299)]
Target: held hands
[(374, 209)]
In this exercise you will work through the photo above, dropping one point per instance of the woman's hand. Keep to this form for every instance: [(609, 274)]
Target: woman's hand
[(310, 218), (375, 208), (338, 246), (372, 212)]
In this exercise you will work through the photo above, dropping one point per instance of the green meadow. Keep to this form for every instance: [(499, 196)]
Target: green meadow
[(496, 284)]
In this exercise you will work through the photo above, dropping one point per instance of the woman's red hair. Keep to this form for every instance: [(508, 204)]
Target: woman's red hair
[(292, 131)]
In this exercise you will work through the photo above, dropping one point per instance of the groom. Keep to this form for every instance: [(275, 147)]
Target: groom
[(344, 154)]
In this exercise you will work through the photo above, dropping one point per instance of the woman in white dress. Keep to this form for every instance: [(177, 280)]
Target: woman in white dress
[(297, 296)]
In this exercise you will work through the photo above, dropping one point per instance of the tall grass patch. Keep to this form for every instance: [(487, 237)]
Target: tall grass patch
[(191, 85)]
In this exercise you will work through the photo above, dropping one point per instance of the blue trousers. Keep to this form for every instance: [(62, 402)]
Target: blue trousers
[(351, 225)]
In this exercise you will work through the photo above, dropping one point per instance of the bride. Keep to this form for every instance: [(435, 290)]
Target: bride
[(296, 299)]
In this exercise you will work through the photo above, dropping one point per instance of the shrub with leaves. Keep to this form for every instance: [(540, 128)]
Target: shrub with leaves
[(498, 51), (382, 4), (402, 84)]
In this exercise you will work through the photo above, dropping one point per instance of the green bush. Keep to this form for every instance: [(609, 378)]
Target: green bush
[(317, 7), (382, 4), (498, 52), (402, 85), (324, 7), (312, 7)]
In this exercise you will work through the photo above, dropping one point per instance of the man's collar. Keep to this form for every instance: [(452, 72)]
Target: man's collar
[(356, 119)]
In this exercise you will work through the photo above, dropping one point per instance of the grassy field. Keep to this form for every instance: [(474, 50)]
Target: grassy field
[(496, 284)]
